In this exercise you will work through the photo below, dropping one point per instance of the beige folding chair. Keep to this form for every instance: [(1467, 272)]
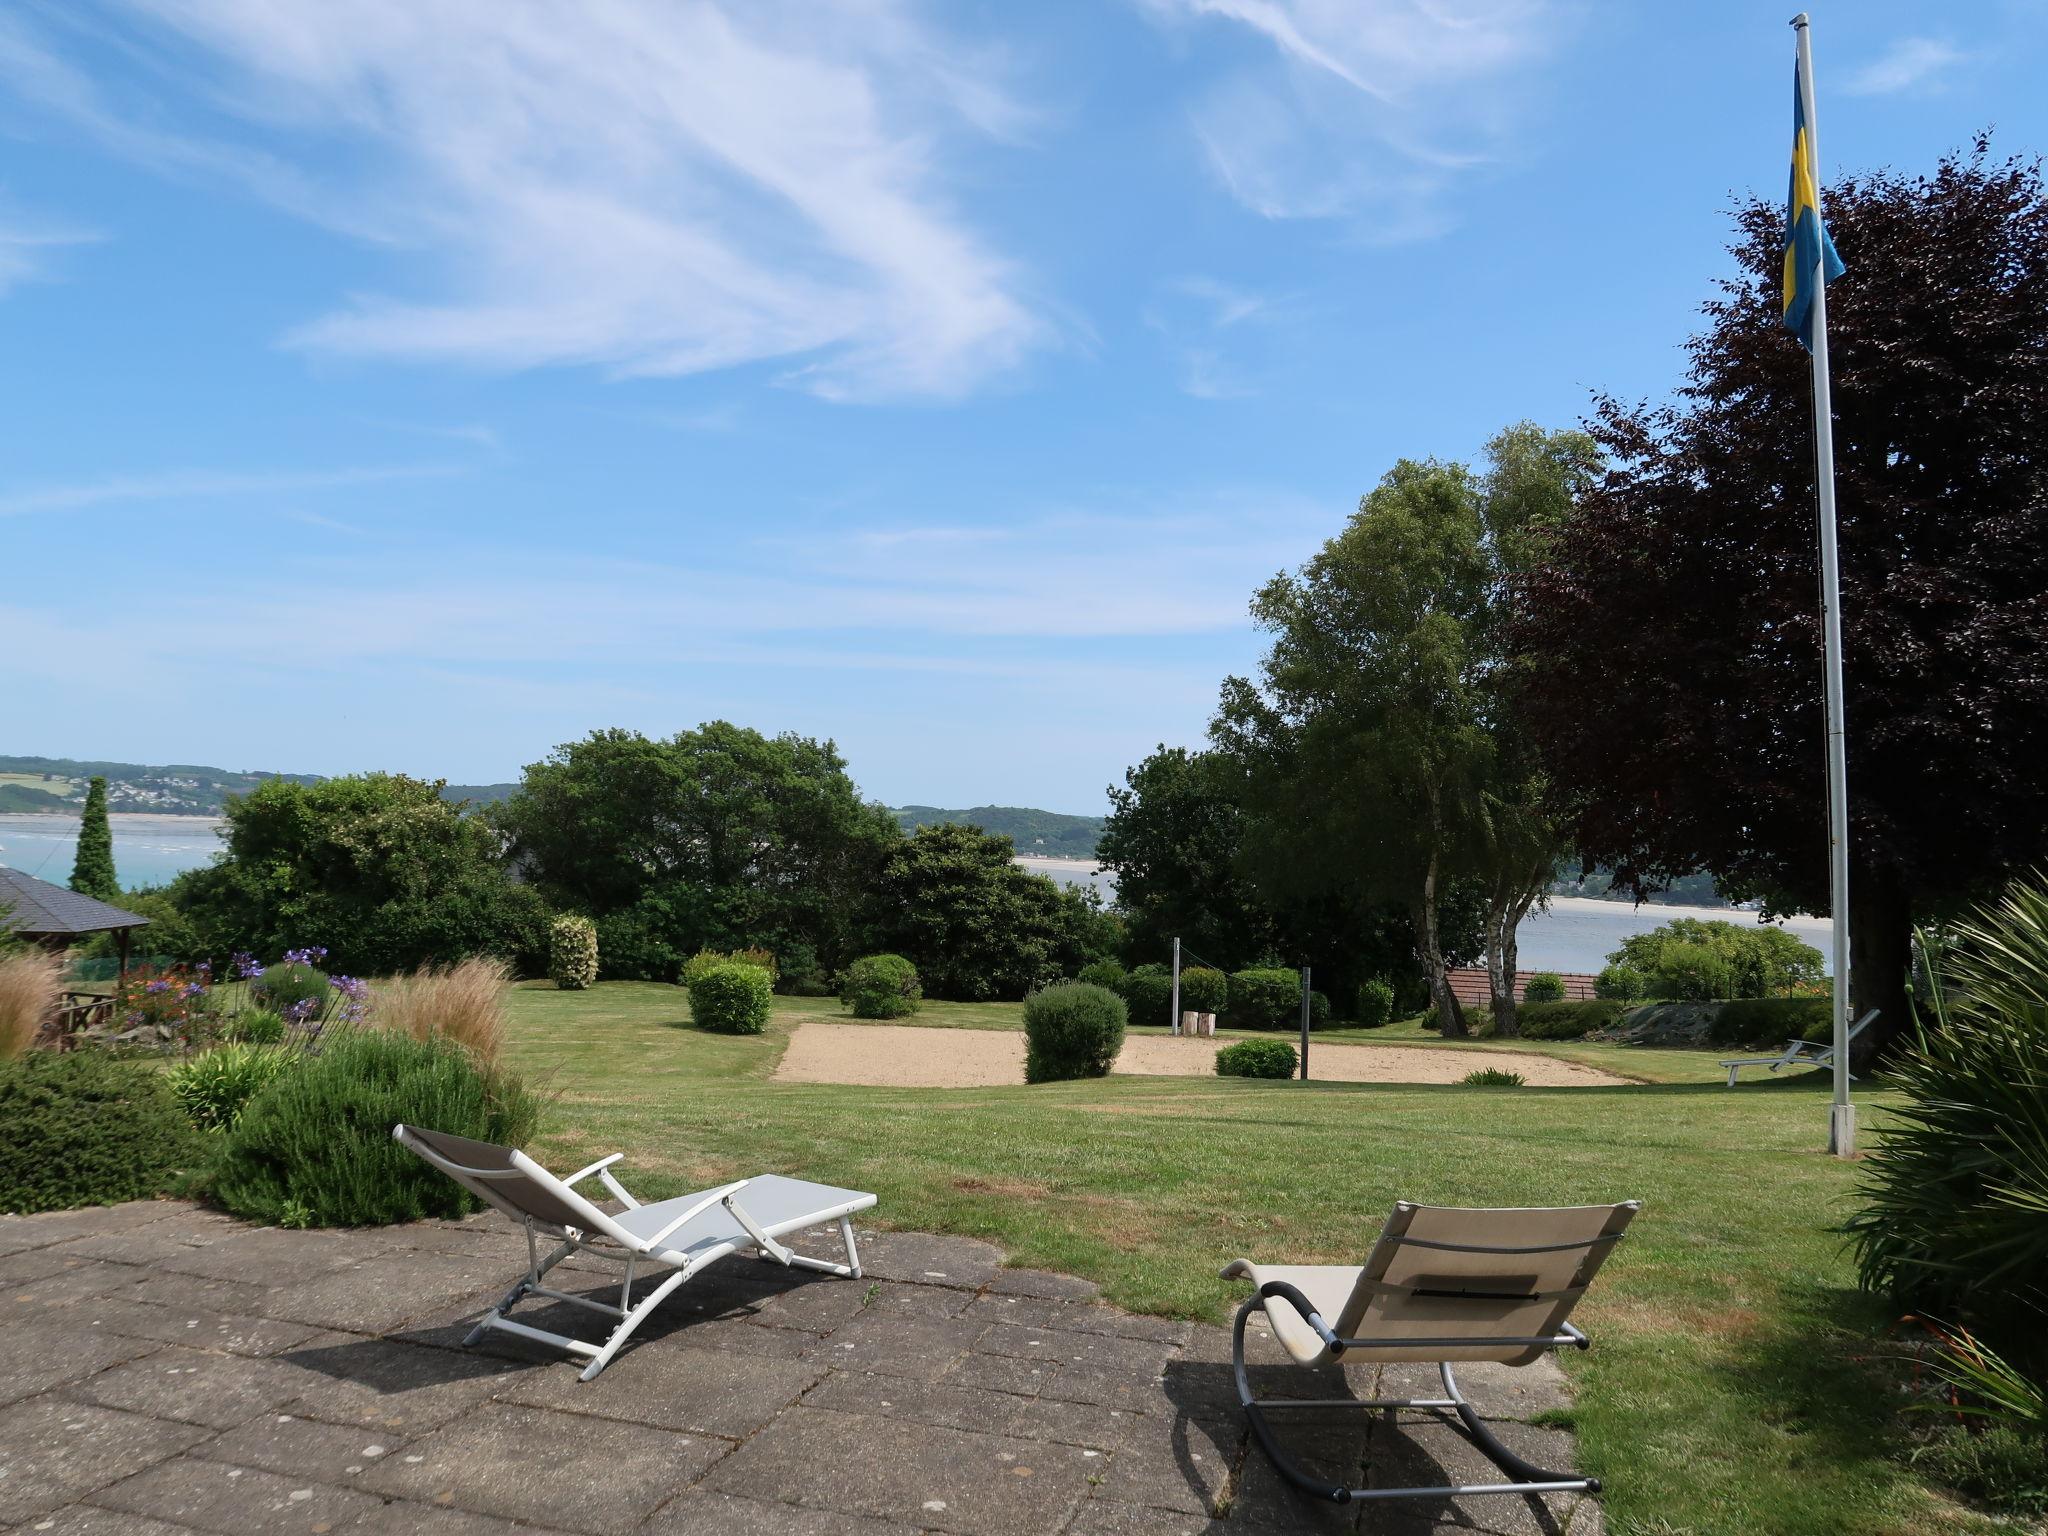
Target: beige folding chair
[(686, 1234), (1442, 1284)]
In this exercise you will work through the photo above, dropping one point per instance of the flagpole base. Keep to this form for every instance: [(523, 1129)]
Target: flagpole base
[(1842, 1130)]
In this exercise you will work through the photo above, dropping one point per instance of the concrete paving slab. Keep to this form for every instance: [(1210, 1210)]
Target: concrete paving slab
[(403, 1517), (890, 1346), (19, 1232), (1002, 1373), (522, 1464), (54, 1451), (381, 1384), (1494, 1391), (236, 1501), (194, 1386), (64, 1282), (1042, 1283), (389, 1290), (919, 1402), (284, 1259), (944, 1479), (292, 1446), (1094, 1351), (702, 1513), (196, 1327), (38, 1352), (90, 1520), (923, 1259), (1040, 1312), (1109, 1517), (672, 1388), (1173, 1463)]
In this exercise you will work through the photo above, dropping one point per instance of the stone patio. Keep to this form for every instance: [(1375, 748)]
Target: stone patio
[(164, 1369)]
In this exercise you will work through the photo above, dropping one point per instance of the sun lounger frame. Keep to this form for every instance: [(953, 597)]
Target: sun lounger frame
[(574, 1225), (1523, 1476), (1799, 1053)]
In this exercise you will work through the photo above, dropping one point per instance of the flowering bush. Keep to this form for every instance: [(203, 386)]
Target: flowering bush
[(572, 953), (175, 1002)]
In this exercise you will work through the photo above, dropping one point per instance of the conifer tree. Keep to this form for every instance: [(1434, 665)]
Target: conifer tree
[(93, 873)]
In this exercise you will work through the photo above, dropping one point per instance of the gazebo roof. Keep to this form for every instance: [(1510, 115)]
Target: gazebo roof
[(40, 909)]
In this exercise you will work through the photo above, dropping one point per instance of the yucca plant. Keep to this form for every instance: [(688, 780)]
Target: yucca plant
[(1955, 1220)]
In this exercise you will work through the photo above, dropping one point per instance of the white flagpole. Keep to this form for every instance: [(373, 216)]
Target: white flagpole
[(1842, 1115)]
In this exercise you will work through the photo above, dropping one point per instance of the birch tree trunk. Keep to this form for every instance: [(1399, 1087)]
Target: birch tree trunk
[(1429, 953)]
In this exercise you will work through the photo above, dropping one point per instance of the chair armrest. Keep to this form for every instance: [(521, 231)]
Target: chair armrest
[(1309, 1314), (710, 1199), (583, 1173)]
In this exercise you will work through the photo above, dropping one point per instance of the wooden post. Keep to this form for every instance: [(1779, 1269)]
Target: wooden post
[(121, 943)]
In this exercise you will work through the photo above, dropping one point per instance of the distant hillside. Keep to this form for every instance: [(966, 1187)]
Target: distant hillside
[(1042, 832), (57, 784)]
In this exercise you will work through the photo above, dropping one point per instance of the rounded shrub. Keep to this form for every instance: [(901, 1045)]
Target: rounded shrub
[(289, 986), (702, 961), (1071, 1030), (88, 1128), (572, 953), (1104, 973), (1692, 973), (731, 999), (1148, 994), (1256, 1058), (255, 1026), (881, 987), (1267, 997), (1375, 1002), (1618, 984), (215, 1087), (315, 1149), (1203, 990), (1318, 1011), (1544, 987)]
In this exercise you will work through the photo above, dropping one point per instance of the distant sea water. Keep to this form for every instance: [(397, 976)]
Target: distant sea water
[(148, 850), (1576, 935)]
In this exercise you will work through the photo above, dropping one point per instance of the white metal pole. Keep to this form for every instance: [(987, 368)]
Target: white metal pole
[(1842, 1114), (1174, 1022)]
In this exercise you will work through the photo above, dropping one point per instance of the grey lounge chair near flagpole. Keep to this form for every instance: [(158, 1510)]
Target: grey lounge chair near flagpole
[(684, 1235), (1442, 1285), (1800, 1053)]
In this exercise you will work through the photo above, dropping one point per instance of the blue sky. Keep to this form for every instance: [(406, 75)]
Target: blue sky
[(415, 386)]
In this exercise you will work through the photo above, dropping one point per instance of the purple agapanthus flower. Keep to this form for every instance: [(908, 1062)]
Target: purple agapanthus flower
[(245, 965), (302, 1010), (194, 989), (159, 985), (312, 954)]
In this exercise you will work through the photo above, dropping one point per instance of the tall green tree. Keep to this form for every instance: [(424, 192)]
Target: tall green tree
[(1364, 741), (715, 837), (1671, 633), (376, 868), (92, 872), (952, 900)]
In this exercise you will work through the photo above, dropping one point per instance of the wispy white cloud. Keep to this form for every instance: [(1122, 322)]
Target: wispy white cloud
[(202, 484), (652, 188), (1206, 324), (1366, 111), (27, 243), (1909, 63)]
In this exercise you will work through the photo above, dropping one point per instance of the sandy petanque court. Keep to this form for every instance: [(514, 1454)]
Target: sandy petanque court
[(906, 1056)]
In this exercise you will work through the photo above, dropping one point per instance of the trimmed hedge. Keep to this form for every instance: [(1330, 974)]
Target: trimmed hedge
[(1104, 973), (1544, 987), (88, 1128), (1266, 997), (1203, 990), (1566, 1021), (731, 999), (314, 1149), (1148, 994), (1766, 1023), (1375, 1002), (1071, 1030), (881, 987), (572, 953), (1619, 984), (1256, 1058)]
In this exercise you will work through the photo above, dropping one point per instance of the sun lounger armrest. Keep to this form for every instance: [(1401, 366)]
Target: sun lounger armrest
[(711, 1198), (583, 1173), (1309, 1314)]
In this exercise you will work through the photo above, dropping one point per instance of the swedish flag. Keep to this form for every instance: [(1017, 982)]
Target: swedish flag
[(1806, 239)]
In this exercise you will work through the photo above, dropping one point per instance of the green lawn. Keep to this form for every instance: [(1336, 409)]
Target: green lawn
[(1731, 1386)]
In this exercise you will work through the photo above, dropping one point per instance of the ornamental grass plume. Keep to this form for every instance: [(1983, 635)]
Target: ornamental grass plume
[(464, 1003), (30, 980)]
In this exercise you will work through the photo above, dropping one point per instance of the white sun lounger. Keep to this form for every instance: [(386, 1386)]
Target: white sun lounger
[(1441, 1285), (1799, 1053), (685, 1234)]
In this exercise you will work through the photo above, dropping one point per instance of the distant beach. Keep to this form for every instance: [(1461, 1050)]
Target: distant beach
[(150, 848)]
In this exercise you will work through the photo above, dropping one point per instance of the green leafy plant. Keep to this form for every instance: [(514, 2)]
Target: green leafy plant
[(1104, 973), (254, 1026), (215, 1086), (1265, 997), (572, 953), (1493, 1077), (1565, 1021), (1375, 1004), (1766, 1023), (88, 1127), (1954, 1221), (1203, 990), (881, 987), (1544, 987), (731, 999), (316, 1144), (291, 985), (1148, 994), (1072, 1030), (2004, 1467), (1256, 1058), (1618, 984)]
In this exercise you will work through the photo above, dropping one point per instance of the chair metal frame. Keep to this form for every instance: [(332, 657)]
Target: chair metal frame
[(598, 1235), (1799, 1053), (1523, 1476)]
